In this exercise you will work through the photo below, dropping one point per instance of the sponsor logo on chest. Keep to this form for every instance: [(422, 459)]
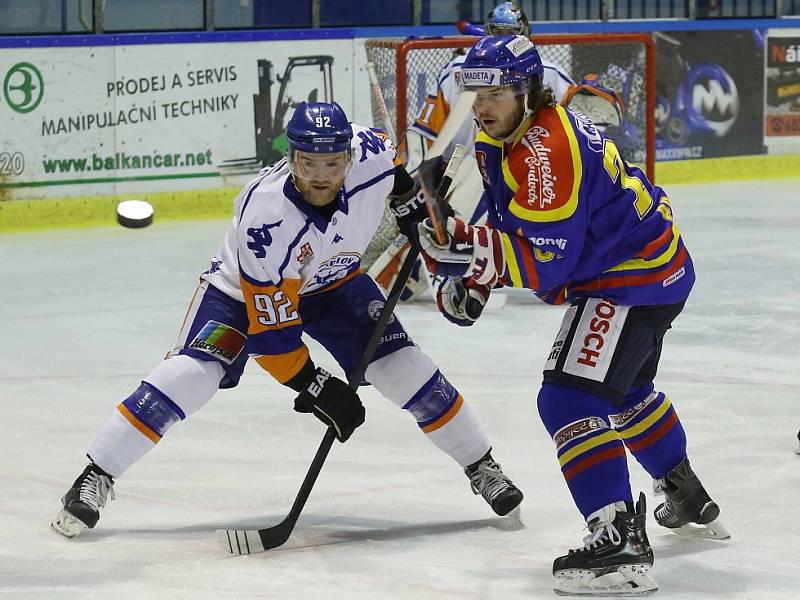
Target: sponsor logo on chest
[(540, 178)]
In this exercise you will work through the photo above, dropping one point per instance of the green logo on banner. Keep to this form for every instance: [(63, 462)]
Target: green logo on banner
[(23, 87)]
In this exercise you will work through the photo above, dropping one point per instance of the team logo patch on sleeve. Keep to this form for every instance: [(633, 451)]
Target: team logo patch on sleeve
[(374, 309), (219, 340)]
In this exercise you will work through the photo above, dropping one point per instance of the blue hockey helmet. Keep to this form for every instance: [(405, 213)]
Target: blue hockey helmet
[(320, 128), (506, 18), (504, 60)]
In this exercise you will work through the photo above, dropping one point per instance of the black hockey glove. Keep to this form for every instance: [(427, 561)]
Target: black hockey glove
[(408, 210), (332, 402)]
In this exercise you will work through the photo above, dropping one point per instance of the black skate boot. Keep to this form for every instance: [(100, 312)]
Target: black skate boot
[(687, 508), (615, 558), (487, 479), (83, 501)]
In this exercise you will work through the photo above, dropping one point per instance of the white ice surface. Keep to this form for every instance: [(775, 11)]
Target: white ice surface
[(88, 313)]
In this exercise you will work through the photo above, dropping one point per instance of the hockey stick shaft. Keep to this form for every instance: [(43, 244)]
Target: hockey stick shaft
[(427, 170), (248, 542), (379, 102)]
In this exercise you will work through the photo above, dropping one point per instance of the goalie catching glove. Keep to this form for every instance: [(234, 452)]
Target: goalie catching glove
[(332, 402), (461, 301), (471, 251), (601, 104)]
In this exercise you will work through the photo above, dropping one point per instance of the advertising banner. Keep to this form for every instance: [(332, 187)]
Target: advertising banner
[(709, 90), (114, 119), (782, 84)]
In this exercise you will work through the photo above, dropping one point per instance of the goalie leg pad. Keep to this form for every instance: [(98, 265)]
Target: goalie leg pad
[(387, 266)]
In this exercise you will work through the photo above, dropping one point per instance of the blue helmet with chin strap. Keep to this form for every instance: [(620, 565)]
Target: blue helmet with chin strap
[(503, 60), (319, 127)]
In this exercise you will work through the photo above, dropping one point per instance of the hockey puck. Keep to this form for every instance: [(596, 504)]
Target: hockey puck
[(134, 213)]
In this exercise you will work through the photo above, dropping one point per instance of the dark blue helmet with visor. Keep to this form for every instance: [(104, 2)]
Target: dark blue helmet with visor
[(504, 61), (319, 128)]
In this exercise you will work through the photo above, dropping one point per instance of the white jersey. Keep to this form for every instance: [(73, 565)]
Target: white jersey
[(286, 249), (372, 152), (444, 92)]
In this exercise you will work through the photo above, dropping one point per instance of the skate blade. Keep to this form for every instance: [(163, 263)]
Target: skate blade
[(714, 530), (68, 525), (629, 580)]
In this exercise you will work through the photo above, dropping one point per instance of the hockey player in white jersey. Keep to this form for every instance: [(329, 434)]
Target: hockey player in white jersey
[(299, 230)]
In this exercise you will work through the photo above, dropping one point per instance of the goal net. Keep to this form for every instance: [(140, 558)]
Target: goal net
[(407, 72)]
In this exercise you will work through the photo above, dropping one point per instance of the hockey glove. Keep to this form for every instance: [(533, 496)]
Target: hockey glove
[(332, 402), (461, 301), (408, 210), (473, 251)]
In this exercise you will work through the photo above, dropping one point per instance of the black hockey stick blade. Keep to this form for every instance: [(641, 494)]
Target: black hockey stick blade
[(253, 541)]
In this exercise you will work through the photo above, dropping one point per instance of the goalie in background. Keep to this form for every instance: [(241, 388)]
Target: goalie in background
[(290, 265), (601, 104)]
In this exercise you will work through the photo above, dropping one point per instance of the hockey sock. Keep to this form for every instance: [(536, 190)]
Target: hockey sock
[(649, 426), (590, 453), (175, 389), (411, 381)]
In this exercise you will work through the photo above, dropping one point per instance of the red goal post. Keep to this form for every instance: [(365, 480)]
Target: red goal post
[(407, 70)]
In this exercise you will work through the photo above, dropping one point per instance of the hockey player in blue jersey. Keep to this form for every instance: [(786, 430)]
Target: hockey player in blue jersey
[(291, 265), (572, 221)]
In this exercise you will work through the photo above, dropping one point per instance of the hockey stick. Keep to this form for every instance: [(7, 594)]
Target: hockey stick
[(380, 114), (428, 168), (240, 541)]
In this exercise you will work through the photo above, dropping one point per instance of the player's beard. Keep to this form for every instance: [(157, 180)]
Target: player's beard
[(318, 193), (503, 125)]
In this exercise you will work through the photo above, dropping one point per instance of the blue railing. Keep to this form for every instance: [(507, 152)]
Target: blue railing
[(21, 17)]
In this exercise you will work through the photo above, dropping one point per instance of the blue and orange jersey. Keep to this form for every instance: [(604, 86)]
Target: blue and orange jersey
[(577, 220)]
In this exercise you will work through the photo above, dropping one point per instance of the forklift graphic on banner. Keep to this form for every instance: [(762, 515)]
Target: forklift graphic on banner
[(269, 125)]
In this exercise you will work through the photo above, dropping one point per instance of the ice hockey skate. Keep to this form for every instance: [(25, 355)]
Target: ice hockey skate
[(615, 559), (82, 503), (687, 508), (487, 479)]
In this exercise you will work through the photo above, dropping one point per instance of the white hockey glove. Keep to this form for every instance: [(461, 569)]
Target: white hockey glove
[(473, 251), (601, 104), (461, 301)]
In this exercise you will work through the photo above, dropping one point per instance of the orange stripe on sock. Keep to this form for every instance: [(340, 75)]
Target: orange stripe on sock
[(595, 459), (154, 437), (656, 435), (445, 418)]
